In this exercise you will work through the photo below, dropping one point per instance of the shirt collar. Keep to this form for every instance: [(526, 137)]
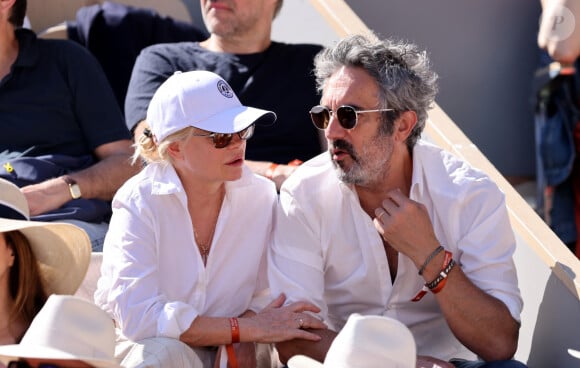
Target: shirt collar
[(28, 54)]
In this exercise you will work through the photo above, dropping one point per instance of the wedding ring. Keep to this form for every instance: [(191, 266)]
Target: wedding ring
[(381, 216), (301, 322)]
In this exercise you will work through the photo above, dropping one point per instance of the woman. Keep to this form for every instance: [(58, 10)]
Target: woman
[(185, 256), (36, 259)]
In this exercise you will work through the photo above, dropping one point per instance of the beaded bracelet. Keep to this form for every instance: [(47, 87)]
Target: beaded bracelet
[(437, 285)]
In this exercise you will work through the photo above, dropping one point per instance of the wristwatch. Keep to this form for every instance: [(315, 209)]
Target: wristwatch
[(73, 187)]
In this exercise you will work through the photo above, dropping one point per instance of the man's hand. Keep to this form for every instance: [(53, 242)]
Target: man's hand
[(406, 226)]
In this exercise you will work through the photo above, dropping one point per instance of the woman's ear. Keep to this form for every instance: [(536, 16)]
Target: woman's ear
[(174, 150)]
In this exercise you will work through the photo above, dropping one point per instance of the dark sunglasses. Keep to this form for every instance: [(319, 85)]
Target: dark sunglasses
[(24, 364), (347, 116), (222, 140)]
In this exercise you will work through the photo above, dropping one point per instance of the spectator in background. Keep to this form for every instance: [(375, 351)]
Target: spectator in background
[(557, 115), (63, 141), (116, 33), (68, 332), (36, 259), (265, 74)]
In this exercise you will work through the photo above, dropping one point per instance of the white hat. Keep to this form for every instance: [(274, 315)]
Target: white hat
[(62, 251), (203, 100), (67, 328), (367, 341)]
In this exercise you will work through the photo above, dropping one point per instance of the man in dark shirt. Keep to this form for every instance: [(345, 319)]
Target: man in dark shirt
[(63, 138), (265, 74)]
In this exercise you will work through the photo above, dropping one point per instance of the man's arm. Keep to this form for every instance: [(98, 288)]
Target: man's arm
[(98, 181), (480, 321)]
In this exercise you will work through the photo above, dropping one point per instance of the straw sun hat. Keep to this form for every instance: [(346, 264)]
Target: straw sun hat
[(67, 328), (62, 250)]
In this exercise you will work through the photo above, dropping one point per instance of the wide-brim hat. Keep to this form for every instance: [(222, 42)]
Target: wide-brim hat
[(200, 99), (67, 328), (367, 341), (62, 250)]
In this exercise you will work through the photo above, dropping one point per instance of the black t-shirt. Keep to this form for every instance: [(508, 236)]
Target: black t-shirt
[(279, 79)]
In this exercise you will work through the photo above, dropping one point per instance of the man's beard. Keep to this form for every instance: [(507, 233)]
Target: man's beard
[(370, 166)]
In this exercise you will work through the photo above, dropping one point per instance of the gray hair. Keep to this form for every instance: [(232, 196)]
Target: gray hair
[(403, 74)]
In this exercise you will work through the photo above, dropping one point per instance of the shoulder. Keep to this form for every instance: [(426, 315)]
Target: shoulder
[(295, 52), (312, 177), (446, 174), (168, 50)]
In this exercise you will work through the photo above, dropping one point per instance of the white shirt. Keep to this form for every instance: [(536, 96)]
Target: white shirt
[(327, 250), (153, 281)]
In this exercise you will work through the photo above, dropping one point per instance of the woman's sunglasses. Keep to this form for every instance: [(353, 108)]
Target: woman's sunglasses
[(347, 116), (222, 140)]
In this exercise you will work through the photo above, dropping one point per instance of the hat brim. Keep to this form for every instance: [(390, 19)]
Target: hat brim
[(302, 361), (62, 251), (11, 352), (236, 119)]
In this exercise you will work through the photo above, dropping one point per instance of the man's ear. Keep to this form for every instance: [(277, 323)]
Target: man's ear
[(404, 125)]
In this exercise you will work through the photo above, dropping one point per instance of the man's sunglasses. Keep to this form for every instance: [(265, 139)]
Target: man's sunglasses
[(222, 140), (347, 116)]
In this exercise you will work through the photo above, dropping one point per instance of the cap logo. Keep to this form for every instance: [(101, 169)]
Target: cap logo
[(225, 89)]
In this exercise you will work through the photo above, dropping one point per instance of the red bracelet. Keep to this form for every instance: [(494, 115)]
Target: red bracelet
[(270, 172), (235, 330), (437, 285)]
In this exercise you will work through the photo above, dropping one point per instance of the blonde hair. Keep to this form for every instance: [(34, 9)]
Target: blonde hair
[(149, 150)]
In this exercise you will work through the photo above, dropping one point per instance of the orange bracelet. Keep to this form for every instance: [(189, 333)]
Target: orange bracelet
[(235, 330), (270, 172), (437, 285)]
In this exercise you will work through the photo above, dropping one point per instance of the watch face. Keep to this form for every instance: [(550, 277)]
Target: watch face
[(75, 191)]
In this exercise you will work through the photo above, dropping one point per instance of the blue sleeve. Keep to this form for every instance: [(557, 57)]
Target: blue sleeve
[(98, 114)]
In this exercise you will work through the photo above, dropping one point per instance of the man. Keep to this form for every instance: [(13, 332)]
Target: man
[(265, 74), (387, 224), (557, 117), (67, 332), (63, 138)]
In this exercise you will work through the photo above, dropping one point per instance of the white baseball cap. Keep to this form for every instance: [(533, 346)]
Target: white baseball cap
[(367, 341), (203, 100)]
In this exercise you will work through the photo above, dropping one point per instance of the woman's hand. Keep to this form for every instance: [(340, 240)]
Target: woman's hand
[(276, 323)]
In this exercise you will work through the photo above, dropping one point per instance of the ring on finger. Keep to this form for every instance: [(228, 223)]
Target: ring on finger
[(381, 215), (300, 322)]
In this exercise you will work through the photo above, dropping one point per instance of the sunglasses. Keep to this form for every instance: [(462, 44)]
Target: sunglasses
[(24, 364), (222, 140), (347, 116)]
